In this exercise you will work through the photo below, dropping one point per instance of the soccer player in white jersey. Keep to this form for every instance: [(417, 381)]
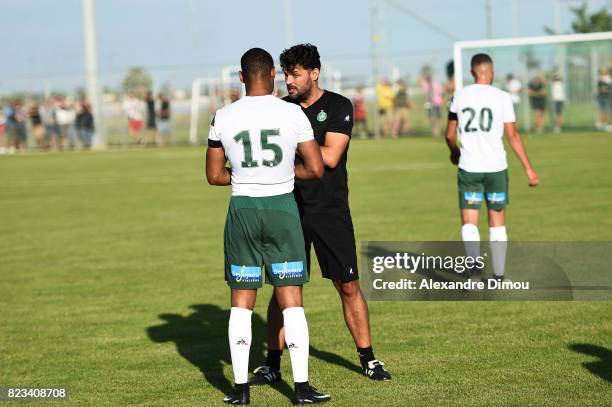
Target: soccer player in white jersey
[(259, 136), (482, 114)]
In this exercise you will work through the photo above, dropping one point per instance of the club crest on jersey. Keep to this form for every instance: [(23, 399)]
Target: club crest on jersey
[(496, 197), (472, 198), (322, 116), (291, 269), (245, 274)]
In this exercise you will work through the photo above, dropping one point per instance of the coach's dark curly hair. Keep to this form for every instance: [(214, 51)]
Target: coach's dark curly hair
[(305, 55)]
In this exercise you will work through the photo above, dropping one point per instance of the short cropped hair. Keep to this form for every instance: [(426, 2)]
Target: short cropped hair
[(304, 55), (480, 59), (256, 62)]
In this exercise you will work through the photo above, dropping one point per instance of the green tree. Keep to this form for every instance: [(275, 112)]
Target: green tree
[(584, 22), (596, 22), (137, 80)]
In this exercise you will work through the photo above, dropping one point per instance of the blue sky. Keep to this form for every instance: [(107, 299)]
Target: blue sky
[(181, 39)]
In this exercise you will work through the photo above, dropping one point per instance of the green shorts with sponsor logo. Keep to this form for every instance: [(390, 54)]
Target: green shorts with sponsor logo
[(474, 187), (263, 237)]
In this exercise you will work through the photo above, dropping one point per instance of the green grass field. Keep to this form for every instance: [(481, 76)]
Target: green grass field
[(111, 283)]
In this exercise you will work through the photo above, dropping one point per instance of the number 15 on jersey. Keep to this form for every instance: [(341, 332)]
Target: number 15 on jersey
[(244, 137)]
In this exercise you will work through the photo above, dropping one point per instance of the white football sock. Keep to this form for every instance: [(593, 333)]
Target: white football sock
[(499, 245), (239, 334), (471, 240), (296, 338)]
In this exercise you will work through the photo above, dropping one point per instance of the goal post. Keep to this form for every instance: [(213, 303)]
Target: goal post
[(573, 61)]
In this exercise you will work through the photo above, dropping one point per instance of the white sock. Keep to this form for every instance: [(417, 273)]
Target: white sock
[(296, 338), (471, 240), (499, 245), (239, 334)]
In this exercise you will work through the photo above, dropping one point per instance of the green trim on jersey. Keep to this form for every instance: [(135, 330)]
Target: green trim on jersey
[(476, 187), (263, 236)]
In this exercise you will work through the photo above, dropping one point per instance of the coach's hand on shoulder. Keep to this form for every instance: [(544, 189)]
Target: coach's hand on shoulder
[(534, 180)]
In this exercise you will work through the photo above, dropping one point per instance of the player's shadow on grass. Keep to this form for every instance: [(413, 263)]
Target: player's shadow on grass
[(334, 359), (201, 338), (601, 367)]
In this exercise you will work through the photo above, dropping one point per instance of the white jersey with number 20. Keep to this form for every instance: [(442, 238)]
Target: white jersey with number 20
[(482, 111), (260, 135)]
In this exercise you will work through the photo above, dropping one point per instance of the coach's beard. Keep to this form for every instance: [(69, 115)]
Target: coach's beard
[(298, 96)]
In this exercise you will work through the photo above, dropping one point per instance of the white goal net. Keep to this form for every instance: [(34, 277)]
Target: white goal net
[(567, 75)]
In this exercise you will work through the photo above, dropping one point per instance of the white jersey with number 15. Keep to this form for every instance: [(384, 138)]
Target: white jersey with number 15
[(260, 135), (482, 111)]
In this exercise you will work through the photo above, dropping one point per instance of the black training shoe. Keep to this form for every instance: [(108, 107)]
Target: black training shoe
[(376, 371), (240, 396), (308, 395), (265, 375)]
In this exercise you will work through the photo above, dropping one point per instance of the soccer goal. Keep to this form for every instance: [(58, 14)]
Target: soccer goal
[(213, 92), (561, 75)]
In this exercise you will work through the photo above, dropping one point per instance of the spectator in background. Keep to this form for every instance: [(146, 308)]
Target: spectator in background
[(558, 96), (604, 88), (16, 126), (47, 114), (449, 86), (151, 131), (2, 131), (386, 96), (65, 117), (401, 112), (85, 124), (433, 101), (133, 108), (233, 94), (537, 96), (36, 126), (164, 129), (514, 87), (360, 114), (216, 100)]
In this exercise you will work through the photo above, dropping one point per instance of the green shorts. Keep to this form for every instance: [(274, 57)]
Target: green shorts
[(474, 187), (264, 233)]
